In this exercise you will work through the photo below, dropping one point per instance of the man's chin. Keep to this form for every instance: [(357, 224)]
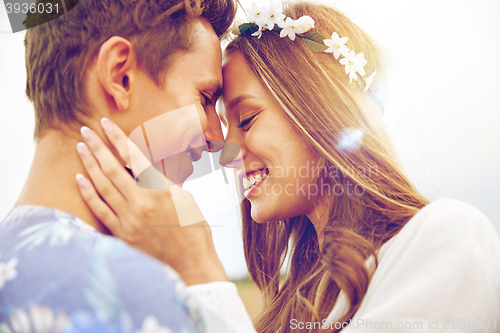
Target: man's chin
[(165, 173), (151, 178), (178, 169)]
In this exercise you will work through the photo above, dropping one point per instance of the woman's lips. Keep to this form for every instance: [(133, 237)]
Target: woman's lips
[(255, 177), (253, 180)]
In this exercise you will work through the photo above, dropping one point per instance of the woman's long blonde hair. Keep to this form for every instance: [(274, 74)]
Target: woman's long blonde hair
[(314, 93)]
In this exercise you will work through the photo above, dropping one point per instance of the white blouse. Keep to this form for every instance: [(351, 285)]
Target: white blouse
[(440, 273)]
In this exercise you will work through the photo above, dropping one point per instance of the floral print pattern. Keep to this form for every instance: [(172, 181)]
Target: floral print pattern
[(39, 319), (60, 275), (8, 271)]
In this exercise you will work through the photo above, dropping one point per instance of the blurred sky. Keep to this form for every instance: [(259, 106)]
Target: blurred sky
[(443, 109)]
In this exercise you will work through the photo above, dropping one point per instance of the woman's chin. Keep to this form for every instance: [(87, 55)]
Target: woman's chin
[(263, 215), (264, 211), (258, 215)]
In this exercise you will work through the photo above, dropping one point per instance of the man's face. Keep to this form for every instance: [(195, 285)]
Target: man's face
[(181, 117)]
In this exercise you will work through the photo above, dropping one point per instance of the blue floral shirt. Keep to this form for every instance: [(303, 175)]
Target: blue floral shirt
[(59, 274)]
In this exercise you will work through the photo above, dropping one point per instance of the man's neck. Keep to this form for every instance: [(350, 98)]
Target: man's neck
[(51, 180)]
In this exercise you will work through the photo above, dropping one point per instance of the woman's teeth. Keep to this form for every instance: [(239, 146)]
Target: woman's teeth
[(255, 178)]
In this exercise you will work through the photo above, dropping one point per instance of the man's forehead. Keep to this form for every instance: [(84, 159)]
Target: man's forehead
[(207, 51), (203, 32)]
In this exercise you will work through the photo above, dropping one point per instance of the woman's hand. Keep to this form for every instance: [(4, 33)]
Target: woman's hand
[(149, 220)]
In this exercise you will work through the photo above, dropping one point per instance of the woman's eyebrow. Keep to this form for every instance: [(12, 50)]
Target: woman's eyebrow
[(235, 101)]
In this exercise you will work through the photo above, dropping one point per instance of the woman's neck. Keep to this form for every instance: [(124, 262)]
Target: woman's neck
[(319, 218)]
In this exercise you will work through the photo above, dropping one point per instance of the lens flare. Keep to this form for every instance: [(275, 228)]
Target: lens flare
[(350, 139)]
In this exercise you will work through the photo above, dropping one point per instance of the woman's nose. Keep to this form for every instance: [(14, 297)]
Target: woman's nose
[(214, 147), (231, 156)]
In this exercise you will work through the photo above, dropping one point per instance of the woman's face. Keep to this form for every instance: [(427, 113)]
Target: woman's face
[(275, 165)]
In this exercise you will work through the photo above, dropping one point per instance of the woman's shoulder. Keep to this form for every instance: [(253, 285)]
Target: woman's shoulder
[(445, 233), (451, 211), (446, 222), (444, 263), (446, 239)]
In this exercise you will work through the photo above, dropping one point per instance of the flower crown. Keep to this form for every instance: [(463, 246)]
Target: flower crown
[(272, 18)]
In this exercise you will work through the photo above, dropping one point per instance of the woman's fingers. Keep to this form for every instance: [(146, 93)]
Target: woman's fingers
[(109, 166), (117, 138), (126, 148), (97, 206), (101, 182)]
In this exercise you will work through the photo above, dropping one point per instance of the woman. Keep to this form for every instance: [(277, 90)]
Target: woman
[(366, 248)]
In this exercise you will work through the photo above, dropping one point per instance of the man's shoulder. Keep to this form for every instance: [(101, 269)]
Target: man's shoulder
[(52, 258), (59, 239)]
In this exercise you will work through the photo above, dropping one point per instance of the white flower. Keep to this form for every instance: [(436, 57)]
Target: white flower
[(171, 274), (61, 322), (359, 63), (336, 45), (82, 226), (61, 237), (235, 29), (290, 28), (256, 14), (41, 319), (4, 328), (348, 62), (369, 81), (305, 23), (258, 33), (8, 271), (354, 64), (274, 16), (151, 325), (20, 321), (180, 290)]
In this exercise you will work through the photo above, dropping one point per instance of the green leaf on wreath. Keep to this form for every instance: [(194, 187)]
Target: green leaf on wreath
[(314, 40), (247, 29)]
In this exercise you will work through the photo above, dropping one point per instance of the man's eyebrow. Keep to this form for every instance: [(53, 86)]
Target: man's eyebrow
[(237, 100), (213, 85)]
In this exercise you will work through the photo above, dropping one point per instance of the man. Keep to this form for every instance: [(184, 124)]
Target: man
[(129, 61)]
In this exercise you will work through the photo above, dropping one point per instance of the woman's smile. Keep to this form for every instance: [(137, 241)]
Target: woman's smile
[(268, 143), (253, 180)]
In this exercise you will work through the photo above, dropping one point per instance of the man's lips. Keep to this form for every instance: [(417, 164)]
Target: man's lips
[(195, 153)]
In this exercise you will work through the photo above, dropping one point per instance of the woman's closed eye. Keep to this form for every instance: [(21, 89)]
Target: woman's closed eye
[(243, 124)]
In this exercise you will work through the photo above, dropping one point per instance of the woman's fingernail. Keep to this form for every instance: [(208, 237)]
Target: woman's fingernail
[(82, 148), (106, 124), (80, 179), (86, 133)]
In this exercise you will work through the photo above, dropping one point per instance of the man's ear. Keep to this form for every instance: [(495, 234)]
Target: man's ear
[(116, 62)]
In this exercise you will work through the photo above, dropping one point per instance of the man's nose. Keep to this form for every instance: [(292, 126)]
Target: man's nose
[(213, 133)]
